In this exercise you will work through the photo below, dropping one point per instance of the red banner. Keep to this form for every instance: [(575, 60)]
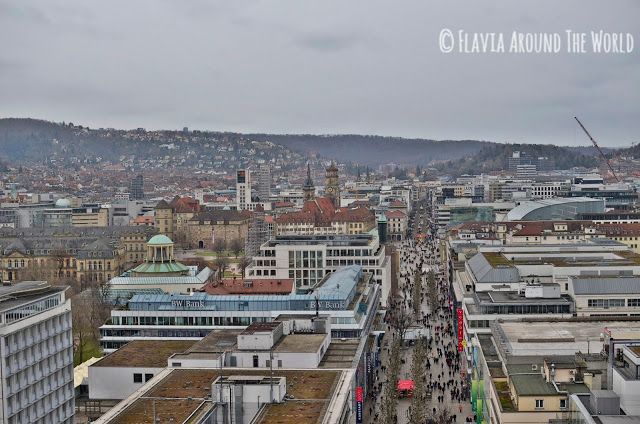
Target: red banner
[(460, 329), (359, 406)]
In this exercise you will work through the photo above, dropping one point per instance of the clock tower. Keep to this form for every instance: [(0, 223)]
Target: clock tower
[(332, 185)]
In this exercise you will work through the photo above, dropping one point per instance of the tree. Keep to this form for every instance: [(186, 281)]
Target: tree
[(432, 291), (222, 264), (390, 400), (236, 246), (243, 263), (418, 412), (441, 416), (219, 246), (401, 321), (417, 293)]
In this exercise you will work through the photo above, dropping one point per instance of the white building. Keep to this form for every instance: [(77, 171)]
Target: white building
[(243, 189), (36, 346), (307, 259)]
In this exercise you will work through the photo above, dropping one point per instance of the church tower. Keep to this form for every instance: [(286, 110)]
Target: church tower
[(308, 188), (332, 185)]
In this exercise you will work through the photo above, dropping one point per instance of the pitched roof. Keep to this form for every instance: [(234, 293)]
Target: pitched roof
[(185, 205), (484, 272), (162, 204), (604, 285), (221, 215), (16, 245), (395, 214)]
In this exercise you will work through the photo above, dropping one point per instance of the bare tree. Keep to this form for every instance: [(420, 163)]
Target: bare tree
[(236, 246), (418, 412), (243, 263), (390, 400), (222, 264), (417, 293), (441, 416), (219, 246), (400, 321), (432, 291)]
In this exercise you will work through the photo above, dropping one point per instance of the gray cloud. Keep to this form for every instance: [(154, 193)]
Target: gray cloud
[(363, 66), (328, 42)]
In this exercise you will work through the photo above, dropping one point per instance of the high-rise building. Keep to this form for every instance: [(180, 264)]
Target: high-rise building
[(36, 349), (262, 182), (243, 189), (136, 189)]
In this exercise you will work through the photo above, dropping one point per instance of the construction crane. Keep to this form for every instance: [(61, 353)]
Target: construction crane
[(598, 148)]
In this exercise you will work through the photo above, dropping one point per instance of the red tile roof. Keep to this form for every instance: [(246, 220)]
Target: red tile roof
[(395, 214), (632, 229), (185, 205)]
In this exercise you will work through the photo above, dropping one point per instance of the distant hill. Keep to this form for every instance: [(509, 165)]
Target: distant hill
[(494, 157), (31, 140), (375, 150)]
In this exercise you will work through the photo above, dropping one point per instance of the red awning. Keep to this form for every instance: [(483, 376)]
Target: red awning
[(406, 384)]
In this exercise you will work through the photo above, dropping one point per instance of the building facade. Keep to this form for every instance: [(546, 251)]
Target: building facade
[(36, 346)]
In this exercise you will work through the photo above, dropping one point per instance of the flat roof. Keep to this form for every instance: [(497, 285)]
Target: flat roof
[(14, 295), (250, 286), (144, 354), (529, 337), (303, 343), (531, 385), (261, 327), (514, 298), (340, 354), (183, 392)]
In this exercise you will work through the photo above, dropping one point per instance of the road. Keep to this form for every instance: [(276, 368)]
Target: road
[(449, 391)]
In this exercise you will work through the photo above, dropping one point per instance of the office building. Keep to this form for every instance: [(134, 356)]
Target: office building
[(37, 354), (136, 188), (348, 296)]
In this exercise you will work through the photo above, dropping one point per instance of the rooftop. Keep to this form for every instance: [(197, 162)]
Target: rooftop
[(300, 343), (25, 292), (250, 286), (604, 285), (144, 353), (531, 385), (261, 327), (183, 392)]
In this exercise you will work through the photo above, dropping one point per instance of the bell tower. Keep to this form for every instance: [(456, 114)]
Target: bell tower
[(332, 184), (308, 188)]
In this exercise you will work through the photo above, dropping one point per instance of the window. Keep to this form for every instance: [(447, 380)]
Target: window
[(255, 361), (539, 403), (563, 404), (633, 303), (137, 377), (148, 377)]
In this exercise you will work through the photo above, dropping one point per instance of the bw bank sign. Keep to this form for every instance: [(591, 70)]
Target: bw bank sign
[(187, 304)]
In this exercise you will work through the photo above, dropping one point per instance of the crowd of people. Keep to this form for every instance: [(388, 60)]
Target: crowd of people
[(444, 378)]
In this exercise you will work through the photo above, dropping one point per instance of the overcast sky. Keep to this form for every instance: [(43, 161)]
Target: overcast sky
[(300, 66)]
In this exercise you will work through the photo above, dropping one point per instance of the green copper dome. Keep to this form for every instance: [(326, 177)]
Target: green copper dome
[(159, 239)]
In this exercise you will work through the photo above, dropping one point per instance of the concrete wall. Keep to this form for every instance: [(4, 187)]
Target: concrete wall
[(629, 392), (115, 382)]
